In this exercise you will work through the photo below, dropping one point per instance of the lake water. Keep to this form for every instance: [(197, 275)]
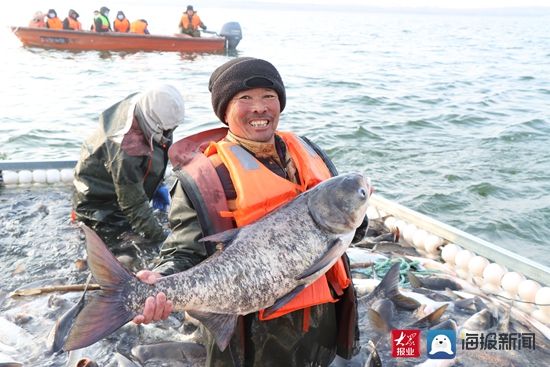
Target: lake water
[(448, 114)]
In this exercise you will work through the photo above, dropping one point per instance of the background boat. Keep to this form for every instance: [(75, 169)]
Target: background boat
[(228, 39)]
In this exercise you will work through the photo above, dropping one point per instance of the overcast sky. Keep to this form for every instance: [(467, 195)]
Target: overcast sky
[(458, 4)]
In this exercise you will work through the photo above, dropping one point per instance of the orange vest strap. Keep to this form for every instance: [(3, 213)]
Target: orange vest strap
[(305, 322)]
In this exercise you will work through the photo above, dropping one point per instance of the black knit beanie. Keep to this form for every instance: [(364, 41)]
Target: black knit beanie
[(241, 74)]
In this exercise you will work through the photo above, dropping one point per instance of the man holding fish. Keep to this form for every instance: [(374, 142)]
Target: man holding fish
[(284, 224)]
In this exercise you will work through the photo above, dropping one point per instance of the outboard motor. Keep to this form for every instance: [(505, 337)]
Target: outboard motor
[(232, 33)]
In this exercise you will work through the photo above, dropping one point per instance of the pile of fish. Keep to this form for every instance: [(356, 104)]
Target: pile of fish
[(396, 288), (418, 293)]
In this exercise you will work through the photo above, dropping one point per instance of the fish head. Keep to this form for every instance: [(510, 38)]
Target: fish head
[(339, 204)]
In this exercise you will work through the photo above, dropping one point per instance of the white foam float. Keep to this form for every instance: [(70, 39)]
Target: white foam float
[(432, 244), (448, 253), (25, 176), (462, 261), (67, 174), (477, 265), (419, 239), (510, 283), (543, 298), (53, 176), (492, 275), (10, 177), (408, 233), (389, 222), (527, 291), (39, 176)]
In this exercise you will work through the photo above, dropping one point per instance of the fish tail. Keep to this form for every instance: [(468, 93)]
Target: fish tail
[(390, 285), (105, 312)]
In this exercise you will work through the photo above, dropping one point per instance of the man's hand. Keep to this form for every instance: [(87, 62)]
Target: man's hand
[(156, 308)]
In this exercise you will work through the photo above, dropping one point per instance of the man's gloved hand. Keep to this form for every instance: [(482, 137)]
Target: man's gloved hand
[(161, 198)]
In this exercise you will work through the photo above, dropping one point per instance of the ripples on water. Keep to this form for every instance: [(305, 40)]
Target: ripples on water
[(447, 114)]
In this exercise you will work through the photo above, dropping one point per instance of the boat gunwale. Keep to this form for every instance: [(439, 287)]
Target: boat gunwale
[(134, 42)]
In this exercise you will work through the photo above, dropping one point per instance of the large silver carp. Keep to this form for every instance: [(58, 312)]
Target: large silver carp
[(261, 266)]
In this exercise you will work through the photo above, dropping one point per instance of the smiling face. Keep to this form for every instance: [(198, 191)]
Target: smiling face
[(253, 114)]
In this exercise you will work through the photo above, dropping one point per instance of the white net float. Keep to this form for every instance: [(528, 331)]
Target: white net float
[(67, 175), (510, 283), (477, 265), (419, 239), (432, 243), (25, 176), (448, 253), (409, 232), (527, 291), (10, 177), (53, 176)]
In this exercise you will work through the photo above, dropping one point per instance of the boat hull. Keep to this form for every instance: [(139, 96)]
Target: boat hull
[(113, 41)]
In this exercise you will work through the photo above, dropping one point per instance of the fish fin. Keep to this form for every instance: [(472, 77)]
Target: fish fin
[(430, 319), (378, 321), (105, 312), (374, 358), (414, 280), (58, 334), (337, 248), (222, 326), (389, 286), (225, 237), (405, 302), (283, 301)]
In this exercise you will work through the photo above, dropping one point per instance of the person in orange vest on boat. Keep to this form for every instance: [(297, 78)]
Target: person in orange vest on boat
[(53, 22), (139, 26), (101, 22), (121, 23), (248, 95), (37, 20), (72, 22), (190, 22)]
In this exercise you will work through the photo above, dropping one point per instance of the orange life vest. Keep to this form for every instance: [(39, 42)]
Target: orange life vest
[(121, 25), (138, 26), (74, 24), (195, 21), (260, 191), (54, 23)]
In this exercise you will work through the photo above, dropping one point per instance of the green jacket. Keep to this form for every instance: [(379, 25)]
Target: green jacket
[(118, 173)]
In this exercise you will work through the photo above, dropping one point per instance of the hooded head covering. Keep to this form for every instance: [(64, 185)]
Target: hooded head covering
[(73, 12), (38, 16), (158, 110), (52, 13), (240, 74), (189, 7)]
